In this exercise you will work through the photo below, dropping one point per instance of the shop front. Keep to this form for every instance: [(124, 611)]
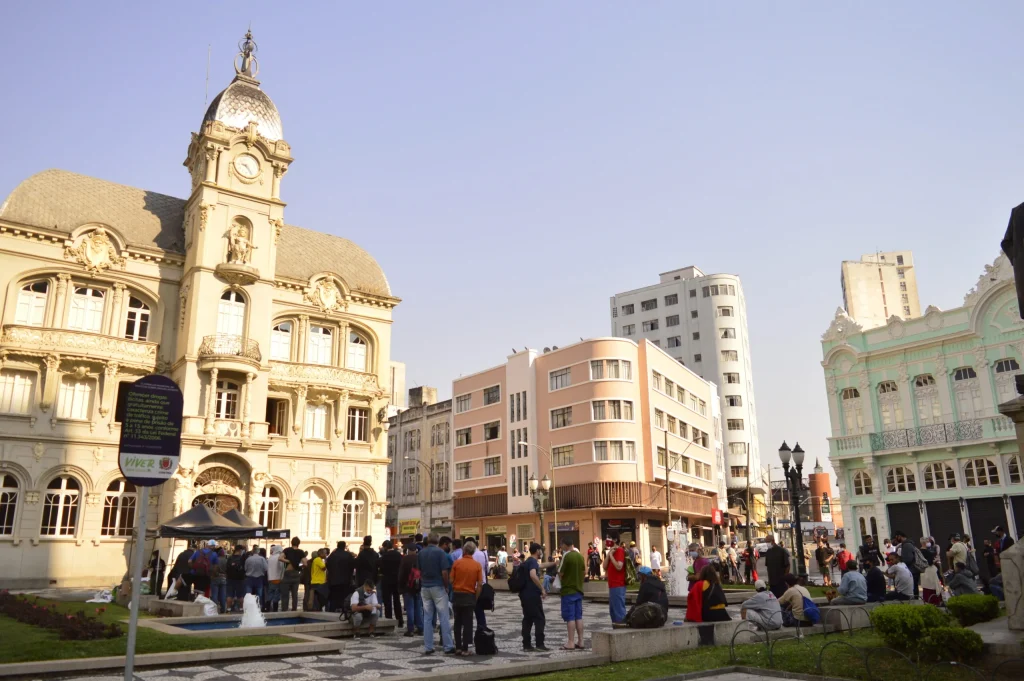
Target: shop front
[(623, 528), (495, 537), (408, 528), (566, 528), (465, 532)]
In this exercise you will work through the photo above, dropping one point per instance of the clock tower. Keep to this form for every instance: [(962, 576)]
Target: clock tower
[(233, 221)]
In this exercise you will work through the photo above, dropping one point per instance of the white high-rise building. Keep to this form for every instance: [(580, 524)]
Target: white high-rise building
[(701, 320)]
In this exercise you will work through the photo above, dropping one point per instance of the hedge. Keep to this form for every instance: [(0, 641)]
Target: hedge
[(904, 626), (951, 643), (973, 608)]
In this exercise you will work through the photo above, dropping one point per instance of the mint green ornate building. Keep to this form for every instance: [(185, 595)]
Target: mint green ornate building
[(918, 443)]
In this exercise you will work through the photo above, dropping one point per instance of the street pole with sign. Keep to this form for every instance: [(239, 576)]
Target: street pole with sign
[(148, 456)]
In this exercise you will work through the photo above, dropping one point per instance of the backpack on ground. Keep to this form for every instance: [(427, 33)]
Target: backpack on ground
[(201, 564), (517, 581), (811, 612), (647, 616), (236, 568), (412, 584), (483, 642)]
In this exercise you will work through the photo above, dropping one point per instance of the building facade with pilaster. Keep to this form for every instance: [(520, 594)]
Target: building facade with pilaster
[(917, 442), (278, 336)]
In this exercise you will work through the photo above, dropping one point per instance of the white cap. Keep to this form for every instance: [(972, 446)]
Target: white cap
[(212, 542)]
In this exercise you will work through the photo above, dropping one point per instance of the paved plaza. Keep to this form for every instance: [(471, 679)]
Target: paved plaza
[(395, 655)]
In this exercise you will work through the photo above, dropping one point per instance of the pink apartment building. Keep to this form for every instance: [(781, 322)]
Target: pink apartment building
[(595, 417)]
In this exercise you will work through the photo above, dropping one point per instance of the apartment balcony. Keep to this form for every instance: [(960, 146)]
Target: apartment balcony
[(39, 342), (230, 353), (629, 494), (229, 432), (923, 437), (481, 505), (321, 375)]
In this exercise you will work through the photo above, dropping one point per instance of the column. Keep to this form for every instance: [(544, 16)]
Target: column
[(211, 404), (343, 345), (300, 408), (246, 403), (945, 393), (906, 398), (303, 335), (833, 407), (110, 372), (56, 316), (114, 312), (342, 416), (275, 188), (211, 163), (51, 381), (984, 371), (867, 404)]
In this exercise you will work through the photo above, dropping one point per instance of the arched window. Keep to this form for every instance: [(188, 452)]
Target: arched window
[(1006, 369), (356, 352), (311, 514), (853, 413), (270, 508), (119, 509), (231, 314), (281, 342), (136, 325), (353, 514), (318, 348), (32, 304), (889, 405), (900, 479), (86, 309), (967, 393), (863, 527), (227, 400), (939, 476), (8, 503), (74, 399), (926, 395), (981, 473), (1013, 468), (861, 483), (60, 507), (874, 529)]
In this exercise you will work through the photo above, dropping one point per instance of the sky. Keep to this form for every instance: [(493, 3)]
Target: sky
[(512, 165)]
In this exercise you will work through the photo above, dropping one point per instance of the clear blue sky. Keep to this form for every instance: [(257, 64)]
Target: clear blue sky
[(512, 165)]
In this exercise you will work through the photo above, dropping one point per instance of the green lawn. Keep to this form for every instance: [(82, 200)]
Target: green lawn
[(25, 643), (791, 656)]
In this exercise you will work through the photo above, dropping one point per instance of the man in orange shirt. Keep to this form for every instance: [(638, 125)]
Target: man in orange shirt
[(467, 580)]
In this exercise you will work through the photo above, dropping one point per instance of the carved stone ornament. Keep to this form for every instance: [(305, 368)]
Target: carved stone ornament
[(97, 454), (183, 298), (842, 327), (240, 244), (830, 385), (896, 327), (95, 251), (32, 497), (37, 451), (864, 382), (204, 215), (999, 270), (293, 504), (904, 375), (326, 295), (278, 225), (980, 361), (335, 507)]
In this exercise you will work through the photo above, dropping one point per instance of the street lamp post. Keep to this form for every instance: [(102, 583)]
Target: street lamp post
[(539, 494), (430, 478), (794, 477), (554, 497)]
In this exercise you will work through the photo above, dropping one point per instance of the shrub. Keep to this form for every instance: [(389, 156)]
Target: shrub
[(77, 627), (951, 643), (973, 608), (904, 626)]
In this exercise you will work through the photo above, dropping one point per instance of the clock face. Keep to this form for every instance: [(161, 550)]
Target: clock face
[(247, 165)]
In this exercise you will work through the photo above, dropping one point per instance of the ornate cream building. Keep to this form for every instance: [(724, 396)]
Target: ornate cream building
[(278, 336)]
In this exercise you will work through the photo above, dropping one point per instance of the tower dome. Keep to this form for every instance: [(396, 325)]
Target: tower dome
[(243, 101)]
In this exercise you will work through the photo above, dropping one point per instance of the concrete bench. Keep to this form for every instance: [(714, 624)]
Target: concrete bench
[(171, 608)]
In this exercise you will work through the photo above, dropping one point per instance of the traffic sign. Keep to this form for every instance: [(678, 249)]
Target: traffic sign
[(151, 431)]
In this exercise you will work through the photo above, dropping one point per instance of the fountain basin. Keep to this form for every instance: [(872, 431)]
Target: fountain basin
[(237, 624)]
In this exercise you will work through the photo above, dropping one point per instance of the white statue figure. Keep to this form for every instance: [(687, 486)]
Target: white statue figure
[(239, 245), (184, 488), (257, 482)]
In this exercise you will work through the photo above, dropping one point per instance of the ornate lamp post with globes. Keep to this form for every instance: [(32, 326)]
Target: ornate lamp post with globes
[(794, 477), (539, 494)]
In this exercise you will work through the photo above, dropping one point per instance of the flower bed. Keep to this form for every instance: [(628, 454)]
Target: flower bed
[(76, 627)]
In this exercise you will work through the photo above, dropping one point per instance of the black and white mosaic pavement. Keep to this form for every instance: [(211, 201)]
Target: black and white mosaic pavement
[(394, 655)]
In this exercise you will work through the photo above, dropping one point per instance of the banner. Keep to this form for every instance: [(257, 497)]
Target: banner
[(469, 531), (495, 529), (564, 526), (716, 516), (826, 508), (407, 528)]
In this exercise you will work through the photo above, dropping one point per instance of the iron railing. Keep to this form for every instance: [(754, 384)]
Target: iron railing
[(227, 345)]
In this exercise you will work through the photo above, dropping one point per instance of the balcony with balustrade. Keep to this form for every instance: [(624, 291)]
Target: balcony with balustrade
[(292, 374), (229, 352), (39, 341), (901, 440)]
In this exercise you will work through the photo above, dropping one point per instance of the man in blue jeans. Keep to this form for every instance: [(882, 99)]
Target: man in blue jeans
[(615, 570), (433, 564)]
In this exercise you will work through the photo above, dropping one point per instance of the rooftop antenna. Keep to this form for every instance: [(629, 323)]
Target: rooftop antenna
[(206, 93)]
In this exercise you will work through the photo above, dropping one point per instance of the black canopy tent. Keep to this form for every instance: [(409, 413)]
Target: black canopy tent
[(255, 529), (201, 522)]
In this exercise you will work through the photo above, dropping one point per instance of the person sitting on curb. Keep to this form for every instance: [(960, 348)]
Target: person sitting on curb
[(365, 608), (853, 588), (792, 602), (762, 608), (652, 590), (962, 582), (902, 579)]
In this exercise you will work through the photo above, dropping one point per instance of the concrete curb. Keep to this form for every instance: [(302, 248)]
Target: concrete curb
[(307, 644), (478, 672)]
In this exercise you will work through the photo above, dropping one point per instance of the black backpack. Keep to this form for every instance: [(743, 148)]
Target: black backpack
[(236, 568), (517, 582), (486, 599), (647, 616), (483, 642)]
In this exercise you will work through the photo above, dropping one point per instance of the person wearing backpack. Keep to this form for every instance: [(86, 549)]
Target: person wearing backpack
[(793, 604), (409, 588), (235, 573), (200, 566)]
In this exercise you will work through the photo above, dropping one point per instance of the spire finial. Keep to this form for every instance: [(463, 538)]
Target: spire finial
[(247, 49)]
